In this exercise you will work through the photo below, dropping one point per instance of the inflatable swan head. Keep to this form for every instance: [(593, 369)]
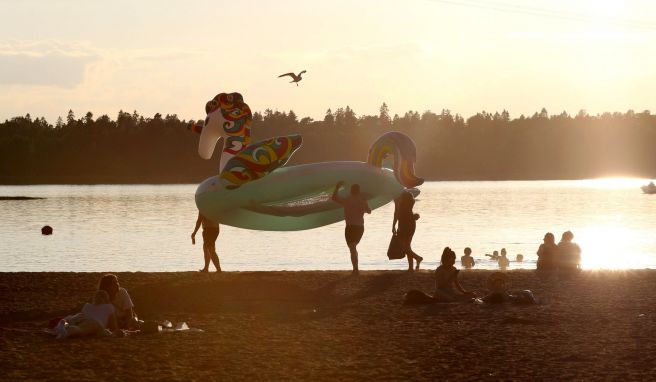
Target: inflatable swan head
[(227, 117)]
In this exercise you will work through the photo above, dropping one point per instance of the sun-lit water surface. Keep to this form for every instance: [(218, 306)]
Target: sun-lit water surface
[(148, 227)]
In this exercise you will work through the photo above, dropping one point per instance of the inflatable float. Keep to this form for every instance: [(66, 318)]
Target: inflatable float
[(254, 190)]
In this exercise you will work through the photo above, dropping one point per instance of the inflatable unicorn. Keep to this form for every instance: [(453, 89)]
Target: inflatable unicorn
[(254, 190)]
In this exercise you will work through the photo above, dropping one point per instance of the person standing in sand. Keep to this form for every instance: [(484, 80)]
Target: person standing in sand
[(355, 206), (407, 224), (210, 234)]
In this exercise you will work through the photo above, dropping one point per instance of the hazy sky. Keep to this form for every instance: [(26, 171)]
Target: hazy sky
[(464, 55)]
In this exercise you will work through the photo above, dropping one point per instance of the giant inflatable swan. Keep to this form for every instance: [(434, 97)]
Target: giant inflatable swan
[(253, 190)]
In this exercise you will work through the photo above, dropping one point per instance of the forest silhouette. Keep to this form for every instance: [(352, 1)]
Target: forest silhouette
[(486, 146)]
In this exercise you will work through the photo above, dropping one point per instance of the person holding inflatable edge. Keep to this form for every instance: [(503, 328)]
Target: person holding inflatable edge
[(355, 205)]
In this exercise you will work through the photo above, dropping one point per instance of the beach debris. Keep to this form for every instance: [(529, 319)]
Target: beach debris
[(46, 230)]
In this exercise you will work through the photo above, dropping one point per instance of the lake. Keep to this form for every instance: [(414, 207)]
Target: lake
[(147, 228)]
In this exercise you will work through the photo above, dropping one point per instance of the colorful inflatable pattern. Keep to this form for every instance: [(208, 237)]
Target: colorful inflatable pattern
[(259, 159), (254, 190)]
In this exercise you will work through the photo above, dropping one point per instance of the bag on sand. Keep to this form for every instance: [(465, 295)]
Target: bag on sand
[(417, 297), (395, 250)]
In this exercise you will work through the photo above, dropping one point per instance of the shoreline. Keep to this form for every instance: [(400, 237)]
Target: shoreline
[(328, 325)]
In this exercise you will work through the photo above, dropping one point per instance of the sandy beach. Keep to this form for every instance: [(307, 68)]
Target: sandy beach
[(331, 326)]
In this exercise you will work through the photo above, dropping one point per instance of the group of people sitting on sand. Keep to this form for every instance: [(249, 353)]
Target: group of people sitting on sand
[(111, 312), (564, 256), (449, 289)]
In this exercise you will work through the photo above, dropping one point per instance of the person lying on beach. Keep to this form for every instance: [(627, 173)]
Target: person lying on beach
[(447, 286), (497, 284), (119, 297), (92, 320)]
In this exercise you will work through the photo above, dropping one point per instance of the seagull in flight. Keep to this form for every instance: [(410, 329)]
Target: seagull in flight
[(295, 77)]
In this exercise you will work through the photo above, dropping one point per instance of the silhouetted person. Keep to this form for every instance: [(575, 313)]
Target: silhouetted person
[(547, 253), (210, 234), (519, 258), (503, 261), (494, 256), (447, 286), (407, 224), (569, 253), (119, 297), (467, 261), (355, 206), (93, 319)]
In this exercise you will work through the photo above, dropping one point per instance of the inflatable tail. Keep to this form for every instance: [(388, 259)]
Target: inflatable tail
[(405, 155)]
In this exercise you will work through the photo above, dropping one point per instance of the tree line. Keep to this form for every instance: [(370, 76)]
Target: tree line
[(133, 148)]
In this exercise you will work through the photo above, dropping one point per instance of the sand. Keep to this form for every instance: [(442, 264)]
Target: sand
[(331, 326)]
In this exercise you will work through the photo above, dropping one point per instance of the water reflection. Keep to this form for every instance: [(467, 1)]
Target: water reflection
[(147, 228)]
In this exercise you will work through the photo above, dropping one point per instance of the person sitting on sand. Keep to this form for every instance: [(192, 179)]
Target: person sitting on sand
[(210, 234), (569, 253), (467, 261), (447, 286), (547, 253), (407, 224), (92, 320), (503, 261), (119, 297)]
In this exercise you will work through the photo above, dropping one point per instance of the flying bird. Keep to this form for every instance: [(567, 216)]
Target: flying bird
[(296, 77)]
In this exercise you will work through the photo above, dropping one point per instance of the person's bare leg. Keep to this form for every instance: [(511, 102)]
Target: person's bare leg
[(410, 262), (417, 258), (84, 328), (354, 256), (206, 255), (215, 259)]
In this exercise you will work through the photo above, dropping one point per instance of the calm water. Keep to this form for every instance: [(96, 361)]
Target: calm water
[(147, 228)]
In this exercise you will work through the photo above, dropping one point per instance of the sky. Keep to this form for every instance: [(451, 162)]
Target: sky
[(172, 57)]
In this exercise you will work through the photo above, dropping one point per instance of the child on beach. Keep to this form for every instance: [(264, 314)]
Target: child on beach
[(503, 261), (93, 319), (497, 285), (447, 286), (494, 256), (467, 261)]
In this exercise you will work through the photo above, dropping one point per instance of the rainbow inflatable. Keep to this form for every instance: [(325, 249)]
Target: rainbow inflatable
[(254, 190)]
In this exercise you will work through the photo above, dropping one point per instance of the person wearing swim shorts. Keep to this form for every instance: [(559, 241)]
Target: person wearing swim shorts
[(355, 205), (210, 234)]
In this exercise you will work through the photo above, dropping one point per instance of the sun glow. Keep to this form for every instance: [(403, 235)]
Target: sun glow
[(614, 183), (602, 248)]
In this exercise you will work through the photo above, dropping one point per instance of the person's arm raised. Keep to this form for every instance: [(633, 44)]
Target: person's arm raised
[(336, 197)]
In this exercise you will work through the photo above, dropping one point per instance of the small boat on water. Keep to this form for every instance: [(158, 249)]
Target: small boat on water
[(649, 189)]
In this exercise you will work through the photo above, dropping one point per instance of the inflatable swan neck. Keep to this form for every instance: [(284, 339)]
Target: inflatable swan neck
[(403, 150)]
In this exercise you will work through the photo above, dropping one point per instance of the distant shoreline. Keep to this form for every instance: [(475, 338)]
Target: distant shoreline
[(19, 198)]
